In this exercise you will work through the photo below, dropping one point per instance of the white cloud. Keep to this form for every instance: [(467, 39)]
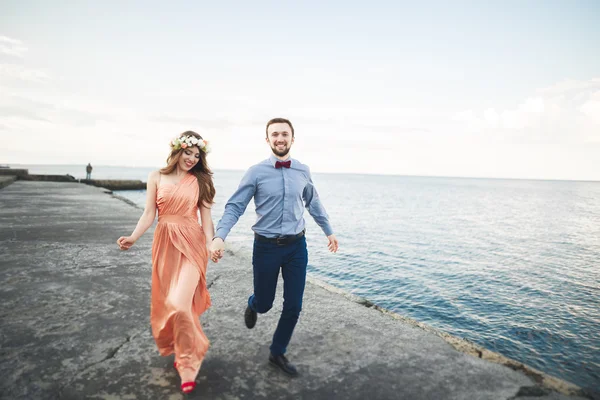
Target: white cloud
[(533, 105), (10, 72), (465, 116), (12, 47), (14, 108), (570, 85), (17, 72), (491, 117), (568, 112), (591, 107), (519, 141)]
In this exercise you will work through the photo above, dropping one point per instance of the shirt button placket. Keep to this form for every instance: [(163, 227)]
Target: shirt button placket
[(285, 191)]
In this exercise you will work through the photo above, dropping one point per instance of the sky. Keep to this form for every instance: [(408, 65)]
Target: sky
[(505, 89)]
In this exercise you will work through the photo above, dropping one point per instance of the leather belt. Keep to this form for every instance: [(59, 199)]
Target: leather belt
[(281, 240)]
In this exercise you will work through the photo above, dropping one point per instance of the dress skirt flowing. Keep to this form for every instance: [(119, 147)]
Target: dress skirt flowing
[(179, 262)]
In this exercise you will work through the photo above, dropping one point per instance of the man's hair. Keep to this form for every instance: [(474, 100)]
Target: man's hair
[(279, 121)]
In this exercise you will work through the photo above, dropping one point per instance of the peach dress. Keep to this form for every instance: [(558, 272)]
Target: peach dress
[(179, 261)]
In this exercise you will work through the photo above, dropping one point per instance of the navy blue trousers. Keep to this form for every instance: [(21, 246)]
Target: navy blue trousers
[(267, 260)]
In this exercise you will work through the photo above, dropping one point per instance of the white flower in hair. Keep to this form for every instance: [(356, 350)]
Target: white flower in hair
[(190, 141)]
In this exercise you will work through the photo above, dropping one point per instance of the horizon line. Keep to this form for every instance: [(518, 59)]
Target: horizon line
[(356, 173)]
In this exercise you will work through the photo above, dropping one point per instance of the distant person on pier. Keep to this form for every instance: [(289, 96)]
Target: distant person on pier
[(179, 253), (88, 171)]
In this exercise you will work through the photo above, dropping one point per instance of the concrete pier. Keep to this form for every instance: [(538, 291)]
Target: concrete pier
[(6, 180), (116, 184), (9, 175), (75, 323)]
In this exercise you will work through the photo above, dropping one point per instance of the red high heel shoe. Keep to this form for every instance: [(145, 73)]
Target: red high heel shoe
[(187, 387)]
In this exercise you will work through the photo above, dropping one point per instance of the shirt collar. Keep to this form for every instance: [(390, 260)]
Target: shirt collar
[(274, 159)]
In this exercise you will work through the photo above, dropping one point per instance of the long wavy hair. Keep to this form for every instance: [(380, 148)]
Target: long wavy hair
[(206, 192)]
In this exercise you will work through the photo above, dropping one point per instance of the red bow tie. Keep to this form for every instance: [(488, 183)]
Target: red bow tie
[(284, 164)]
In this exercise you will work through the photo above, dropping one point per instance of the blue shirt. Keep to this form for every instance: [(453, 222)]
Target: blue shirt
[(280, 196)]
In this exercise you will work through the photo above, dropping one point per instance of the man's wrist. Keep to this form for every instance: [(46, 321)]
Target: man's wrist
[(217, 237)]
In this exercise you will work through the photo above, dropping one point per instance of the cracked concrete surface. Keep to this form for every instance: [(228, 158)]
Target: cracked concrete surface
[(75, 323)]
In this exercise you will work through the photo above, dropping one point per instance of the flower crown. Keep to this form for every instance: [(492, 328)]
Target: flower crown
[(184, 142)]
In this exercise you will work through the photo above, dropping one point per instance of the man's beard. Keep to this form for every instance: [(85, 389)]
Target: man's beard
[(281, 153)]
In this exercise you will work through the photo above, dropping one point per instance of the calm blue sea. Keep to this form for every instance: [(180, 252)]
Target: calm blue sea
[(513, 265)]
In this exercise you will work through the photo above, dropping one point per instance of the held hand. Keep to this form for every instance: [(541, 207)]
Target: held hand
[(125, 242), (333, 244), (216, 249), (214, 255)]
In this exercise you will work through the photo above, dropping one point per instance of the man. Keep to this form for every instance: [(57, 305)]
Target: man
[(88, 171), (281, 187)]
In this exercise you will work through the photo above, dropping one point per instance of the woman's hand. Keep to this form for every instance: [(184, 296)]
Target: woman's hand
[(216, 249), (214, 255), (125, 242)]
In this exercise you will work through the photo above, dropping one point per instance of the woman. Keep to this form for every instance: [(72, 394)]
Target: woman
[(179, 252)]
